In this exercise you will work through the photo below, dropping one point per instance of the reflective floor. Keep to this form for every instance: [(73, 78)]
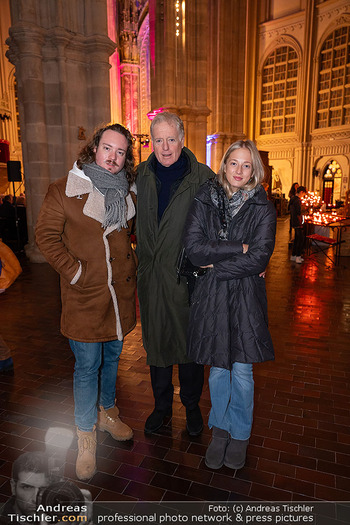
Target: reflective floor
[(300, 444)]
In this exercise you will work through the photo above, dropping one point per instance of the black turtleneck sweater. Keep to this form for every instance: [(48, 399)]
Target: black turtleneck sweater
[(169, 179)]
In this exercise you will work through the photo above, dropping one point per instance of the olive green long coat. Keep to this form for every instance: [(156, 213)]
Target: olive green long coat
[(163, 302)]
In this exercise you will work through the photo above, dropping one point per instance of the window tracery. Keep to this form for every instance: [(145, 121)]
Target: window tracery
[(333, 101), (279, 91)]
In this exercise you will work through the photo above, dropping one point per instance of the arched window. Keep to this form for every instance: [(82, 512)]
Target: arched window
[(332, 178), (279, 91), (333, 103)]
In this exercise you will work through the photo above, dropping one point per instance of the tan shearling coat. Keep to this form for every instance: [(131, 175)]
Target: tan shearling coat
[(97, 266)]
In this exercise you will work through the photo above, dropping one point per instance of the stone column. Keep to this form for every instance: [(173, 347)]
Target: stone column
[(60, 39), (61, 53), (98, 49), (25, 52), (129, 65), (130, 85), (251, 126), (226, 76), (179, 66), (305, 167)]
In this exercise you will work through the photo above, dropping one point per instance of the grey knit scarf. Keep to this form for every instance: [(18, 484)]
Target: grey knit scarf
[(114, 187), (228, 208)]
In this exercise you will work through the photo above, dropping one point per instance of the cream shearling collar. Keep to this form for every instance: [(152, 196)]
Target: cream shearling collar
[(79, 184)]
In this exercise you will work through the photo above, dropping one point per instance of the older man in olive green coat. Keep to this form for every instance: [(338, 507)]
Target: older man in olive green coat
[(166, 185)]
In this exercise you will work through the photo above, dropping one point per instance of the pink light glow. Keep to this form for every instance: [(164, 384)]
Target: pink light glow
[(114, 76), (152, 38), (155, 112)]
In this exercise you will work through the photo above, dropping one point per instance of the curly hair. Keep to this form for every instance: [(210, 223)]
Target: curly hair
[(257, 165), (87, 154)]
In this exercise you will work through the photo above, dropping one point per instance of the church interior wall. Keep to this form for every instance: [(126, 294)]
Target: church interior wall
[(282, 170), (281, 8), (302, 145), (86, 63), (226, 77), (8, 111), (63, 87)]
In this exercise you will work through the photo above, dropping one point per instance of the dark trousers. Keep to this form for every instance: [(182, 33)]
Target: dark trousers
[(298, 243), (191, 377)]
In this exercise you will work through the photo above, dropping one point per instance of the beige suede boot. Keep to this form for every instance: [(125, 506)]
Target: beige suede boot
[(86, 461), (109, 421)]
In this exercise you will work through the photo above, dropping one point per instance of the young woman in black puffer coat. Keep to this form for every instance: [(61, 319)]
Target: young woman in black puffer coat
[(230, 229)]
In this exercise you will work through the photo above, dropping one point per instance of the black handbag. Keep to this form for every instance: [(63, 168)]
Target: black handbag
[(184, 268)]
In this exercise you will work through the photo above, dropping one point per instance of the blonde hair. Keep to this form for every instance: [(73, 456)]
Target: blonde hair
[(257, 166)]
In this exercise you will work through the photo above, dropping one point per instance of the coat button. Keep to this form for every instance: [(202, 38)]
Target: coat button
[(128, 256), (128, 279), (111, 259), (113, 282)]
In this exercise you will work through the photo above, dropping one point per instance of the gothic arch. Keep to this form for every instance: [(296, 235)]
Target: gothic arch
[(324, 94), (342, 20), (284, 40), (342, 160), (344, 163), (280, 42)]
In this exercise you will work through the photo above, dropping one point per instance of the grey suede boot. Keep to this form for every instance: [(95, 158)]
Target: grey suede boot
[(235, 454), (214, 457)]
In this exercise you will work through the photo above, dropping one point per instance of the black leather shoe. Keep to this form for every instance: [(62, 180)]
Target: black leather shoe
[(194, 421), (156, 420)]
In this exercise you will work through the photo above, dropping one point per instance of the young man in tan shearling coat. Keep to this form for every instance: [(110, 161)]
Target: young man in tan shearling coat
[(83, 230)]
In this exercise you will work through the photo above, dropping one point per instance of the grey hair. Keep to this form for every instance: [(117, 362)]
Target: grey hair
[(257, 165), (170, 118)]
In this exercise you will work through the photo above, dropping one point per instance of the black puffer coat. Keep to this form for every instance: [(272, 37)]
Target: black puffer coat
[(228, 315)]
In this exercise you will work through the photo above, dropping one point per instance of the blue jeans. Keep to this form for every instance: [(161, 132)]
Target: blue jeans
[(232, 399), (95, 376)]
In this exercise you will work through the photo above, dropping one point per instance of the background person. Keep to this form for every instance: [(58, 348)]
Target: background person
[(83, 230), (231, 229), (292, 193), (166, 185), (296, 219), (8, 230), (293, 190), (7, 209)]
